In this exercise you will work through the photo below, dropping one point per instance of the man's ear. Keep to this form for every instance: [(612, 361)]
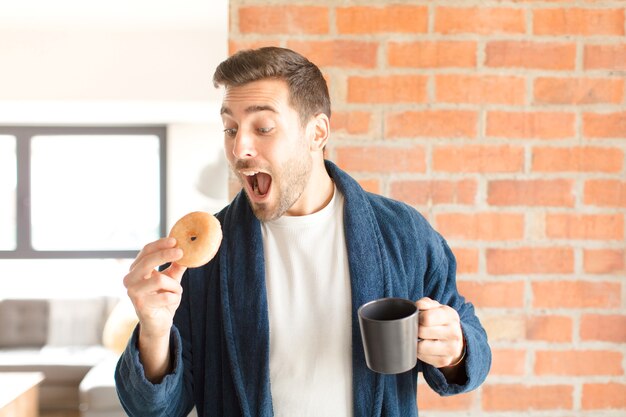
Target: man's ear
[(321, 132)]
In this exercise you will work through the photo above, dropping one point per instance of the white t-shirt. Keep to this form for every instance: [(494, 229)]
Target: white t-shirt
[(310, 304)]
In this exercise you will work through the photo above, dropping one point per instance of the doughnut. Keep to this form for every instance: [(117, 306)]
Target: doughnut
[(199, 235)]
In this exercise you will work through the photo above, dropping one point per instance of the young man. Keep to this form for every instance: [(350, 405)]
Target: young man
[(269, 326)]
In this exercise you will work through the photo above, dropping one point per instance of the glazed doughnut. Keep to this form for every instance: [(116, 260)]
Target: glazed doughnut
[(199, 235)]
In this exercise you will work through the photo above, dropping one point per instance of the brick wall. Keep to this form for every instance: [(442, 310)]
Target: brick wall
[(504, 123)]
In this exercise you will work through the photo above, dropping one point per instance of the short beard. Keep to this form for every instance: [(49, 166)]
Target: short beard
[(298, 172), (294, 177)]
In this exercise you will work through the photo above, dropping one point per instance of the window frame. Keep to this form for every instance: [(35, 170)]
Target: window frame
[(23, 137)]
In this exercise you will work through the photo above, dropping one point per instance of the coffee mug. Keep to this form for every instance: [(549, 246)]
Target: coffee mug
[(389, 334)]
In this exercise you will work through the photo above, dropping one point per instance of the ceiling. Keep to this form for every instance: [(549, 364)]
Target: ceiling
[(123, 14), (117, 61)]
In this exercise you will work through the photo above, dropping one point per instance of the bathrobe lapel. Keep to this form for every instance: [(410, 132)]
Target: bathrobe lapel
[(244, 308), (369, 277)]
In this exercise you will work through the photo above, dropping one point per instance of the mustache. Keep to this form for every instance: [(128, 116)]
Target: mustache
[(247, 164)]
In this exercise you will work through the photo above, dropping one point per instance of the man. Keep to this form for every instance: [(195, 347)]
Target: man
[(269, 326)]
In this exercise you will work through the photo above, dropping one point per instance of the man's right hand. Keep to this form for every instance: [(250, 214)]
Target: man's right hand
[(155, 296)]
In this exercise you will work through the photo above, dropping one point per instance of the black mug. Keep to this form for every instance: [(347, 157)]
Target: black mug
[(389, 334)]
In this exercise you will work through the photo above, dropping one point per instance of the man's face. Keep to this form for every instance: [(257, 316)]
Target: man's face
[(266, 146)]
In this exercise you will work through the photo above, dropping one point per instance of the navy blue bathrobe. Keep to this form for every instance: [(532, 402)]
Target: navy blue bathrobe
[(220, 337)]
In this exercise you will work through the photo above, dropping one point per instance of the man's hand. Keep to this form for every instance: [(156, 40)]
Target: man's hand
[(440, 337), (155, 296)]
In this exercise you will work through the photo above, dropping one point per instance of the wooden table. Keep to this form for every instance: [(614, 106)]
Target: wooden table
[(19, 394)]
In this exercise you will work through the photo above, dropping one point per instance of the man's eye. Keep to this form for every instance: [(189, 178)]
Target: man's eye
[(265, 130), (230, 132)]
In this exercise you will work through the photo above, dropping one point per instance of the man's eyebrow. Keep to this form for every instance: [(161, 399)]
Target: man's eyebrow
[(254, 109), (250, 109)]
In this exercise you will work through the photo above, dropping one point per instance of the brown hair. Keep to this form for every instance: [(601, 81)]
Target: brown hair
[(308, 92)]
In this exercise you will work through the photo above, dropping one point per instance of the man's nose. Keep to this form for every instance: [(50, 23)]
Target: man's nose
[(244, 147)]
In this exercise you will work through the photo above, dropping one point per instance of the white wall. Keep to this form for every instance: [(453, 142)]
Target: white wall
[(198, 170), (109, 64), (74, 62)]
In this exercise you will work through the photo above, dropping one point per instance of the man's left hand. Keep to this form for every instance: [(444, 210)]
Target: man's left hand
[(440, 337)]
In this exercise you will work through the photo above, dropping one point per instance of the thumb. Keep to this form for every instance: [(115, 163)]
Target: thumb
[(426, 304), (175, 271)]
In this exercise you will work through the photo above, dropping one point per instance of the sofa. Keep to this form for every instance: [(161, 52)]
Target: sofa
[(75, 343), (98, 397)]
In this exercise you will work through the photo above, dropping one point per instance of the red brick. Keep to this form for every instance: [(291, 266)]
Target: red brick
[(552, 193), (427, 399), (553, 260), (532, 55), (578, 362), (388, 19), (482, 20), (478, 158), (598, 396), (508, 362), (432, 54), (420, 192), (518, 397), (338, 53), (571, 21), (532, 2), (531, 125), (576, 294), (352, 122), (487, 294), (603, 328), (604, 125), (579, 90), (387, 89), (605, 193), (382, 159), (503, 327), (604, 261), (481, 226), (555, 329), (605, 56), (466, 260), (370, 184), (432, 123), (585, 226), (283, 19), (488, 89), (577, 159)]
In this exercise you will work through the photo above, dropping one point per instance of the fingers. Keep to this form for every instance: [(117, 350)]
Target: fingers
[(175, 271), (441, 324), (440, 338), (158, 295), (160, 244), (438, 353), (144, 284), (426, 304), (440, 345), (158, 283), (441, 315), (446, 332), (151, 256)]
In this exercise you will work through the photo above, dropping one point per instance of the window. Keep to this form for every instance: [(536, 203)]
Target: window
[(80, 192), (8, 182)]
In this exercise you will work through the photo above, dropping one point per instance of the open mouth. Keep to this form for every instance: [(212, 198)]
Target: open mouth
[(258, 182)]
